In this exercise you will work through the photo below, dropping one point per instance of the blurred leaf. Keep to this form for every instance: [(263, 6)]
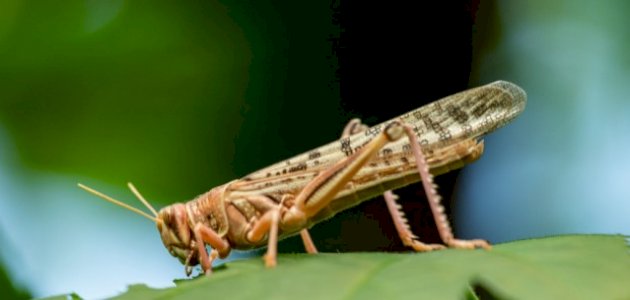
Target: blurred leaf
[(579, 267), (9, 290), (8, 285), (72, 296)]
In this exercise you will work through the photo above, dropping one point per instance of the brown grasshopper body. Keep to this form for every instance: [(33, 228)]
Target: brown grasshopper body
[(289, 197), (227, 208)]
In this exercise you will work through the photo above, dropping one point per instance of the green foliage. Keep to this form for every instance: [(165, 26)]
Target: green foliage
[(9, 289), (115, 90), (576, 267)]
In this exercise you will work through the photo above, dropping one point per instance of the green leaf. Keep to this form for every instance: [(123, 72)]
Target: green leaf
[(576, 267)]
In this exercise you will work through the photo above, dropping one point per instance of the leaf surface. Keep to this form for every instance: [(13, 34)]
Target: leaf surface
[(576, 267)]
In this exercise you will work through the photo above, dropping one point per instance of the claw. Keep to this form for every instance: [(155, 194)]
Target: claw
[(469, 244), (422, 247)]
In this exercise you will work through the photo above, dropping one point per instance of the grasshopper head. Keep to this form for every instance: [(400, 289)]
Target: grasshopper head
[(172, 223)]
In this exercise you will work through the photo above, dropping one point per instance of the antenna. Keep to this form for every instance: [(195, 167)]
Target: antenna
[(144, 201), (119, 203)]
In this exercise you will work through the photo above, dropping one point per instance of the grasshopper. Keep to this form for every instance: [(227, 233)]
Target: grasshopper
[(289, 197)]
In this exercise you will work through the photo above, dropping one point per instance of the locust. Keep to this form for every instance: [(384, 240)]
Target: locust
[(291, 196)]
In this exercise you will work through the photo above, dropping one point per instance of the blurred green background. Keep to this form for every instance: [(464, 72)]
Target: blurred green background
[(178, 97)]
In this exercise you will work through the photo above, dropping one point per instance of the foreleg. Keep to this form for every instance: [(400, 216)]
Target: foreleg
[(220, 247)]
